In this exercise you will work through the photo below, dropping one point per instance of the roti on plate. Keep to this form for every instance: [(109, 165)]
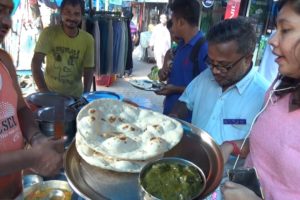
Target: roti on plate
[(99, 160), (121, 131)]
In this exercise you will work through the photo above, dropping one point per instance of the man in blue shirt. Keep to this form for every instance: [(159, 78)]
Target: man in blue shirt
[(225, 98), (185, 19)]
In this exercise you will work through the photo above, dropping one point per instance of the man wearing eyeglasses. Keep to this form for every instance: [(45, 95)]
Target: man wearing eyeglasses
[(225, 98)]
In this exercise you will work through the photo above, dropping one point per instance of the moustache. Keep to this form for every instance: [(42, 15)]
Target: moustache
[(72, 21)]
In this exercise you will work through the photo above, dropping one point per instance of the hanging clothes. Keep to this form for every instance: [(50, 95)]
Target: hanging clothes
[(112, 42), (16, 5), (129, 62)]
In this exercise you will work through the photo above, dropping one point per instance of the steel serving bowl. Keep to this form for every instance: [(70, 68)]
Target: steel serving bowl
[(145, 195), (46, 120), (31, 179), (55, 190), (46, 99)]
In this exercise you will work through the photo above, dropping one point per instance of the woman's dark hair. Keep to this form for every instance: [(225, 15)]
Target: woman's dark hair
[(238, 29), (295, 4), (189, 10), (73, 3)]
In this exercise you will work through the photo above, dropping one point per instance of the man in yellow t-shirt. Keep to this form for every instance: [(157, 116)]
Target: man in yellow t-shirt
[(69, 53)]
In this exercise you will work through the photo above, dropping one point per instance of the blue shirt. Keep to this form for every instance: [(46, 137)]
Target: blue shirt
[(182, 71), (225, 115)]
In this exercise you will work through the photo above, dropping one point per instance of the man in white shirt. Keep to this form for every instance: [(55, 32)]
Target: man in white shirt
[(225, 98), (160, 40)]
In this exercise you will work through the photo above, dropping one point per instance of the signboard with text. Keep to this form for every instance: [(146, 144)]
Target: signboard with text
[(232, 9)]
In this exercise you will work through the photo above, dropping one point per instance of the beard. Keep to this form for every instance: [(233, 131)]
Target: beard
[(70, 23)]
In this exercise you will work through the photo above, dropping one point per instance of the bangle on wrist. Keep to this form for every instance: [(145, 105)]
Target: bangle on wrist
[(236, 150)]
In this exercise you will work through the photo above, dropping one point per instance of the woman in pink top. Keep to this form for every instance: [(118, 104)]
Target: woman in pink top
[(17, 124), (274, 143)]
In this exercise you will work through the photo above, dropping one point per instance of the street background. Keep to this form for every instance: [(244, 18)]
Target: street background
[(121, 86)]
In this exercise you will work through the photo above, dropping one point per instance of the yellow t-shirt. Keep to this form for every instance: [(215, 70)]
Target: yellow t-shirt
[(65, 59)]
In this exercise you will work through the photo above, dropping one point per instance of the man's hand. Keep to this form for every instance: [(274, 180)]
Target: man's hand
[(167, 90), (49, 156), (226, 150), (38, 138), (234, 191), (163, 73)]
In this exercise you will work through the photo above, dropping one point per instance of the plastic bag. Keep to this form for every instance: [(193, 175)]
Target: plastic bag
[(153, 75)]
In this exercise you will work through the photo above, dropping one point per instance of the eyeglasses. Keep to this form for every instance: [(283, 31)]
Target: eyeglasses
[(224, 68)]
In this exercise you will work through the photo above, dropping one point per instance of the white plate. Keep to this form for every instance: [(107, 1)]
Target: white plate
[(144, 84)]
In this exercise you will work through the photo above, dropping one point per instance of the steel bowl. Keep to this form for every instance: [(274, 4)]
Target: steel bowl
[(46, 120), (46, 99), (31, 179), (145, 195), (55, 190)]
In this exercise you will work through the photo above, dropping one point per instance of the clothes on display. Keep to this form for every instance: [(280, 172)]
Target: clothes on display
[(113, 42)]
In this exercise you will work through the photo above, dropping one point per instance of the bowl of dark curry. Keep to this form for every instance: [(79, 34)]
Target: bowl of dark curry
[(171, 178)]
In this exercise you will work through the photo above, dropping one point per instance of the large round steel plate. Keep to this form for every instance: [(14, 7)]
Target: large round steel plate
[(94, 183), (48, 99)]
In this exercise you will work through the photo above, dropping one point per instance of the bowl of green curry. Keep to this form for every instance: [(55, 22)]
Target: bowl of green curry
[(171, 178)]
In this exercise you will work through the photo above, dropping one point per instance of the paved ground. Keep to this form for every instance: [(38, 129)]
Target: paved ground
[(121, 86)]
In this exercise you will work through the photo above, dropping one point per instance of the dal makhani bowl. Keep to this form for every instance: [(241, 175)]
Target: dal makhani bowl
[(50, 190), (171, 178)]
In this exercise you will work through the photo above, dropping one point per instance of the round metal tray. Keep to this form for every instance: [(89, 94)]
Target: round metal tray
[(94, 183)]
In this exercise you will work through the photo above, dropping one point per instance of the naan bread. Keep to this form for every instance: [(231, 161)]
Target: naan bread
[(126, 132), (99, 160)]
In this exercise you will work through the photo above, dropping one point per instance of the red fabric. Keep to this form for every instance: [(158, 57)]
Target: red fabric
[(32, 2), (236, 150), (11, 138), (232, 9)]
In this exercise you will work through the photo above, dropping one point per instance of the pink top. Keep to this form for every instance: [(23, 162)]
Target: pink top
[(11, 138), (275, 150)]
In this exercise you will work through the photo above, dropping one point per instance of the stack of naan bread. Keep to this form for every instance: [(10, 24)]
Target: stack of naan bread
[(117, 136)]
